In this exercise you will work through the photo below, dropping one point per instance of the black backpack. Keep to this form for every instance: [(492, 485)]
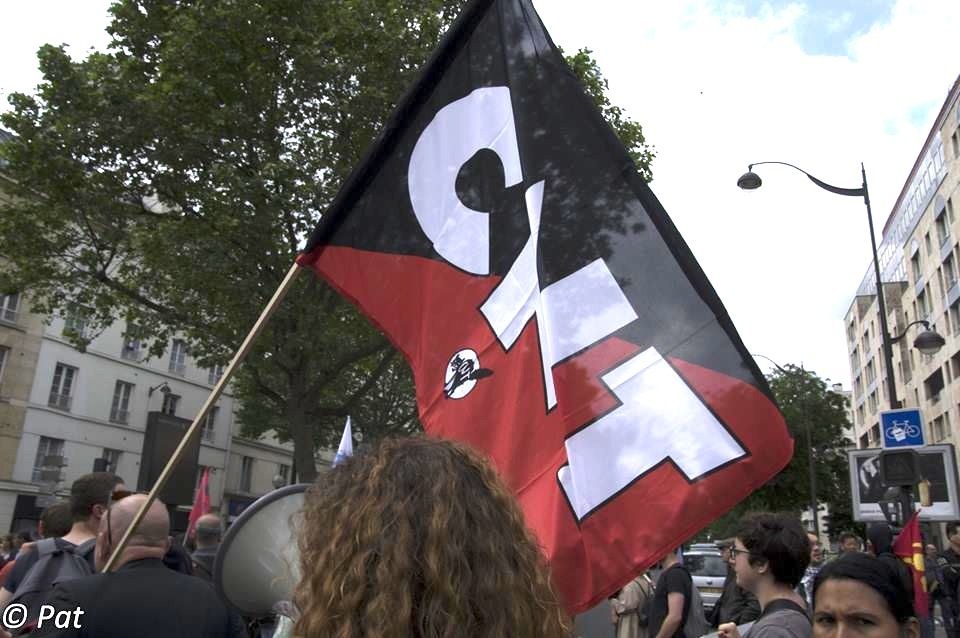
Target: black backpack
[(55, 564)]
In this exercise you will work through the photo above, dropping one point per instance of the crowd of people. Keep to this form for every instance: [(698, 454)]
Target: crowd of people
[(780, 585), (419, 537)]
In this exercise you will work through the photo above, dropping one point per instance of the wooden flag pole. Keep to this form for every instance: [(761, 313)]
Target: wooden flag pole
[(214, 395)]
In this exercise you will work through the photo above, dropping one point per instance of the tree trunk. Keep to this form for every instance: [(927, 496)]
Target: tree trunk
[(302, 434)]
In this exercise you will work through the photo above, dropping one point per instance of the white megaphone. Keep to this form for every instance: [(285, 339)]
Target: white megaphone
[(258, 563)]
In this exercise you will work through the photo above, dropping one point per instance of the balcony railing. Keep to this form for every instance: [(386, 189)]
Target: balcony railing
[(178, 368), (60, 401)]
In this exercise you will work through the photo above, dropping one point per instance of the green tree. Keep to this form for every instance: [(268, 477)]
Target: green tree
[(169, 181), (806, 402)]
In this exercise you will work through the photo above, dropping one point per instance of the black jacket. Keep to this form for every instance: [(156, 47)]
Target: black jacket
[(144, 599)]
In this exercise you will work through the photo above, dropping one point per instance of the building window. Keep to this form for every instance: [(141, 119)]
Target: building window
[(49, 460), (3, 360), (949, 272), (131, 349), (246, 473), (170, 403), (209, 424), (75, 323), (283, 471), (943, 229), (928, 243), (955, 139), (10, 307), (923, 304), (120, 410), (62, 387), (915, 267), (178, 357), (875, 435), (933, 385), (112, 457), (216, 372), (940, 427)]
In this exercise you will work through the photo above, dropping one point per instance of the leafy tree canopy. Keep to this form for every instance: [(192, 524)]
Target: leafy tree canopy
[(169, 181)]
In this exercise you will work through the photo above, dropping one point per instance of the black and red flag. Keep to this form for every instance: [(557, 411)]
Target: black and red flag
[(554, 318)]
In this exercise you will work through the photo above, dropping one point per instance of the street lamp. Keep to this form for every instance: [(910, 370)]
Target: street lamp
[(809, 437), (928, 342)]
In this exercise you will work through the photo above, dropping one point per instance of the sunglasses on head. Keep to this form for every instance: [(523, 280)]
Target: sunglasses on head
[(117, 496)]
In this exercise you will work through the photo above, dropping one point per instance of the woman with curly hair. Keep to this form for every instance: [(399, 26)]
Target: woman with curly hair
[(419, 537)]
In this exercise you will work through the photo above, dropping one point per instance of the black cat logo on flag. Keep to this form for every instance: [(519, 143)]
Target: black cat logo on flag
[(553, 317)]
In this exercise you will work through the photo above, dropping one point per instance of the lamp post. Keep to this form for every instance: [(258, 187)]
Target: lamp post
[(928, 342), (810, 468)]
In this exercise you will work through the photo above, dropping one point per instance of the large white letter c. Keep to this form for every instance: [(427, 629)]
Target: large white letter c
[(481, 120)]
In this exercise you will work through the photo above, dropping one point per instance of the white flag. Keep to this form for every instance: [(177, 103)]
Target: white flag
[(346, 444)]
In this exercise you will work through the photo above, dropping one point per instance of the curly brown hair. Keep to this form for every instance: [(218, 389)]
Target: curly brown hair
[(419, 537)]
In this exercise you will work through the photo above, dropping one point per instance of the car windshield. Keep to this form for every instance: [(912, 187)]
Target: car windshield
[(705, 565)]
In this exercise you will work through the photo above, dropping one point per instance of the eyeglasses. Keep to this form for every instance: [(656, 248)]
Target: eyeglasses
[(734, 551)]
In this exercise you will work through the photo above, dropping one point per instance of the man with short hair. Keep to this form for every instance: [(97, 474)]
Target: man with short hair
[(671, 599), (849, 543), (89, 497), (771, 553), (139, 596), (55, 522), (208, 534)]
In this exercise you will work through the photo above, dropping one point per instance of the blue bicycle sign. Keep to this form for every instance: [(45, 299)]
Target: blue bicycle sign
[(902, 428)]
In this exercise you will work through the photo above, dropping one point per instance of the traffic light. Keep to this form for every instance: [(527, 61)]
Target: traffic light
[(899, 468)]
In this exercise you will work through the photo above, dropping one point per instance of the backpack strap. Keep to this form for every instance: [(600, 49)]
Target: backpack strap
[(46, 547), (86, 547)]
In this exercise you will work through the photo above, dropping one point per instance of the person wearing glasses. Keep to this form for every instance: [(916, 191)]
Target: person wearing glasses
[(89, 497), (139, 596), (770, 555)]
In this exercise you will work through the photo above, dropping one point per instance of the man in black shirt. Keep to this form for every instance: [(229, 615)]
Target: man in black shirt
[(949, 564), (671, 599)]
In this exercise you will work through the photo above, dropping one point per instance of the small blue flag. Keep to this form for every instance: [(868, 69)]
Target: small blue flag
[(346, 445)]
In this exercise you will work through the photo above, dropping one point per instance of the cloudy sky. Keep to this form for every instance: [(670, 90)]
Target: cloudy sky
[(823, 84)]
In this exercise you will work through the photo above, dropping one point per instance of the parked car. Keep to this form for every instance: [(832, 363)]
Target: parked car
[(708, 569)]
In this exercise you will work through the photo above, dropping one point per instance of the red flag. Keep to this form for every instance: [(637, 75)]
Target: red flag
[(909, 547), (201, 502), (552, 314)]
